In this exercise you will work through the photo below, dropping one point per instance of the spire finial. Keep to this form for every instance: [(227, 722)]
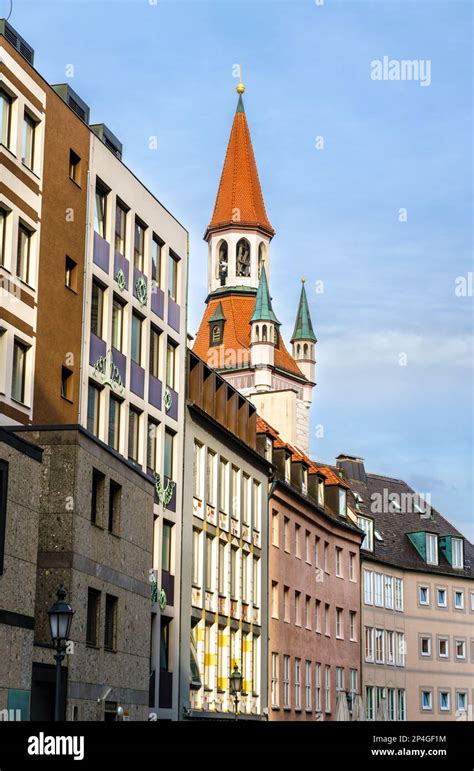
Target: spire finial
[(303, 280), (240, 88)]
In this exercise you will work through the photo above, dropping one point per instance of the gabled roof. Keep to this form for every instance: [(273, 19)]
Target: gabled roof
[(303, 326), (218, 314), (237, 309), (239, 188), (263, 303)]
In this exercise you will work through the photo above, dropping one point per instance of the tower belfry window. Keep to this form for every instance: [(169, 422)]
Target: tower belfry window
[(242, 258), (222, 263)]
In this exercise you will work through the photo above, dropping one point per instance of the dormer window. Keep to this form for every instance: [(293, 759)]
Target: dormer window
[(287, 468), (342, 502), (431, 549), (268, 448), (216, 334), (457, 553), (321, 492), (304, 481), (367, 526)]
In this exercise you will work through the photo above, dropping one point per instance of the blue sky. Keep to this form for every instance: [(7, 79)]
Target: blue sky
[(165, 70)]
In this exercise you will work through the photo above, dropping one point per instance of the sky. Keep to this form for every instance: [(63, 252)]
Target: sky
[(376, 213)]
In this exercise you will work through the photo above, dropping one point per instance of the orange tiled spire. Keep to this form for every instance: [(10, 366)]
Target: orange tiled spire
[(239, 198)]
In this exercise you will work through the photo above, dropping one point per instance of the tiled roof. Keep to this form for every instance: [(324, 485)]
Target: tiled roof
[(237, 309), (396, 548), (303, 326), (239, 187)]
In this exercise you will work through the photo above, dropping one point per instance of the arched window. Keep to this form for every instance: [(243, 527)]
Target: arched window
[(305, 351), (257, 332), (262, 256), (264, 333), (222, 263), (242, 258), (216, 333), (298, 349)]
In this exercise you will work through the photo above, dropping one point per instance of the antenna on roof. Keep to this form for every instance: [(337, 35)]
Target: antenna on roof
[(10, 11)]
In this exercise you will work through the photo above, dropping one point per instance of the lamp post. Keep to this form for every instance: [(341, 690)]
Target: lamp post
[(235, 680), (60, 619)]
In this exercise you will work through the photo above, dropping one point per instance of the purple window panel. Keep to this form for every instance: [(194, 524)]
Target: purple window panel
[(158, 301), (173, 410), (121, 263), (121, 363), (101, 252), (154, 392), (137, 384), (174, 312), (97, 348)]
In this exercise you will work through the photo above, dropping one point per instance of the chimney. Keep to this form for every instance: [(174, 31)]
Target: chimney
[(352, 467)]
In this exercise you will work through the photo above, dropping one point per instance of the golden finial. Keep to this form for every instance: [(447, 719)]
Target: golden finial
[(240, 88), (303, 280)]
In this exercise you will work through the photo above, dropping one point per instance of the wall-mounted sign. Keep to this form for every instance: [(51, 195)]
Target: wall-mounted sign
[(164, 492), (108, 372), (121, 280), (167, 399), (163, 599), (141, 289)]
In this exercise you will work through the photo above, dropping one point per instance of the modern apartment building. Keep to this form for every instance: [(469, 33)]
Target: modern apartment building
[(224, 571), (314, 589), (417, 602), (93, 308)]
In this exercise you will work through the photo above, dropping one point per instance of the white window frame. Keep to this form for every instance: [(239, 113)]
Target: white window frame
[(378, 590), (461, 593), (286, 682), (447, 708), (389, 596), (390, 647), (399, 594), (427, 601), (275, 685), (369, 644), (429, 707), (458, 553), (308, 675), (368, 587), (431, 548), (428, 639), (317, 691), (379, 636), (297, 683), (445, 603)]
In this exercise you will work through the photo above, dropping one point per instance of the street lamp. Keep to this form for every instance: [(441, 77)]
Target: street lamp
[(60, 619), (235, 686)]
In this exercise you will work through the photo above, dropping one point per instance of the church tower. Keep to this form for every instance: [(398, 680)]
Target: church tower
[(240, 334)]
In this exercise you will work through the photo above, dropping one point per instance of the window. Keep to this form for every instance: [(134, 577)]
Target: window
[(326, 557), (155, 335), (70, 273), (245, 578), (117, 324), (352, 625), (307, 549), (20, 354), (297, 683), (389, 592), (342, 502), (327, 689), (368, 587), (369, 702), (424, 595), (390, 646), (379, 646), (170, 364), (457, 552), (100, 223), (151, 448), (210, 477), (66, 384), (399, 594), (110, 625), (378, 583), (298, 608), (275, 686), (369, 643), (136, 350), (133, 434), (93, 409), (426, 700), (286, 540), (173, 276), (234, 580), (197, 470), (28, 141), (327, 631), (5, 118), (115, 502), (256, 664), (93, 607), (400, 649), (460, 648), (367, 527), (461, 701), (286, 682), (353, 682), (338, 562), (196, 558), (169, 454), (3, 230), (156, 248), (234, 492), (97, 497), (339, 624), (443, 647), (256, 505), (139, 245), (97, 309), (307, 612), (401, 704), (3, 509), (352, 564), (441, 598), (317, 615), (23, 253), (472, 600), (316, 551), (74, 167), (307, 685), (114, 422), (297, 542), (459, 600), (224, 485), (391, 704), (431, 549), (317, 691), (120, 228), (425, 646), (286, 603), (209, 564), (274, 527), (339, 679), (166, 547), (274, 599)]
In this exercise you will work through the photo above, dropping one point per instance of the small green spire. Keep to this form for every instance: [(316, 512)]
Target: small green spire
[(263, 302), (218, 314), (303, 327), (240, 104)]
